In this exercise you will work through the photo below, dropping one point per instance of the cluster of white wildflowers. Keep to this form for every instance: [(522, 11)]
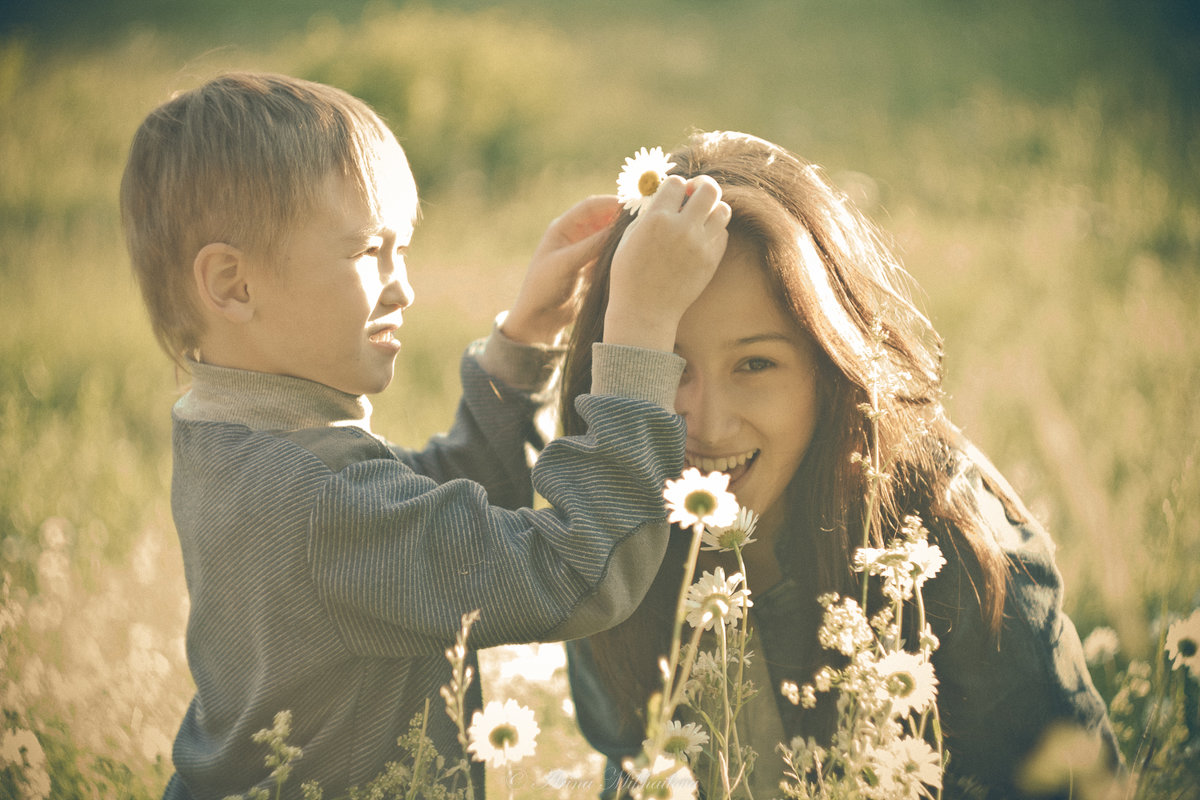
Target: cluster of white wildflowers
[(886, 696), (888, 739), (709, 682), (905, 564)]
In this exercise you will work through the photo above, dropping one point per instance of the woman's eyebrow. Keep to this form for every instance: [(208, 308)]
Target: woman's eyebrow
[(758, 338)]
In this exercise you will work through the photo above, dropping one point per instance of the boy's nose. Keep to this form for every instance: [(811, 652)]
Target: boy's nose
[(398, 291), (707, 411)]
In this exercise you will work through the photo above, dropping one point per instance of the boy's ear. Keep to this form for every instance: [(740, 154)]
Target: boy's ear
[(220, 271)]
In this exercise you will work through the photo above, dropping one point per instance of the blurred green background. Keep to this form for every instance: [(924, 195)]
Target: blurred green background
[(1036, 163)]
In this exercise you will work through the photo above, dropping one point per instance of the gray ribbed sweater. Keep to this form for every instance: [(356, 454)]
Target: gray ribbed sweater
[(328, 570)]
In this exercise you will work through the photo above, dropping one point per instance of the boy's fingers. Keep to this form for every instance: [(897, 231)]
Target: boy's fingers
[(580, 221), (590, 215), (577, 253)]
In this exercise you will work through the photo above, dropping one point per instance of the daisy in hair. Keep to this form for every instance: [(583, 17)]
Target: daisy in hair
[(641, 176)]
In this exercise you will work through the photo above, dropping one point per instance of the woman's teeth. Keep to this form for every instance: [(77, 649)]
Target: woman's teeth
[(722, 464)]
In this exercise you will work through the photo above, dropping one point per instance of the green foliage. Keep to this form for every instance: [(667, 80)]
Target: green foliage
[(1033, 162)]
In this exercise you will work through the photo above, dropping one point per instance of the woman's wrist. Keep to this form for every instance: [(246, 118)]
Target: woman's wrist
[(651, 332)]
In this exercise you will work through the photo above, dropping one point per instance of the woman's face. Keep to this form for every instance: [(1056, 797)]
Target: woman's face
[(748, 393)]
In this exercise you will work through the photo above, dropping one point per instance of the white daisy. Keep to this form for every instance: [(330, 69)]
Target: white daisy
[(1183, 643), (925, 561), (737, 534), (1101, 646), (909, 680), (715, 597), (667, 779), (680, 740), (502, 733), (697, 498), (641, 176), (907, 763)]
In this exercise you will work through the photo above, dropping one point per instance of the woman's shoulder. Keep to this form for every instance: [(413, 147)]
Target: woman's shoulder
[(999, 513)]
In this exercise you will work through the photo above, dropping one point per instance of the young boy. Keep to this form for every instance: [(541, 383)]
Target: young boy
[(267, 220)]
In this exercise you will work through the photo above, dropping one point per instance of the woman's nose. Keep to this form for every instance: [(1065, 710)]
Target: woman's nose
[(706, 409)]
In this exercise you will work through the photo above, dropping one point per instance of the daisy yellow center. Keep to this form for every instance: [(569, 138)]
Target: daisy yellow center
[(1187, 647), (649, 182), (719, 602), (732, 538), (901, 684), (503, 736), (700, 503), (676, 744)]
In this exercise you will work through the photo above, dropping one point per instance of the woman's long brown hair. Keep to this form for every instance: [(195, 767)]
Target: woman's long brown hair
[(832, 273)]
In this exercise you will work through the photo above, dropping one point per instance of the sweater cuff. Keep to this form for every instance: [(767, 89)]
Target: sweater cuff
[(526, 368), (637, 373)]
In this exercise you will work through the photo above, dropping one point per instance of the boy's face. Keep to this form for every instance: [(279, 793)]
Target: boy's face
[(328, 308)]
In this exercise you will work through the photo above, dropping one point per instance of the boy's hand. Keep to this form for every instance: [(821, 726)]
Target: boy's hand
[(665, 259), (558, 272)]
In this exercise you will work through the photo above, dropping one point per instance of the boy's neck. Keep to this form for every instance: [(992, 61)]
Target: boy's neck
[(264, 401)]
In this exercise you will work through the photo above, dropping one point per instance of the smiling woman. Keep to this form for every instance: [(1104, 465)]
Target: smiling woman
[(749, 390), (804, 351)]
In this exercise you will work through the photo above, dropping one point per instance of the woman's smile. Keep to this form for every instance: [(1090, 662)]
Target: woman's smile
[(734, 466)]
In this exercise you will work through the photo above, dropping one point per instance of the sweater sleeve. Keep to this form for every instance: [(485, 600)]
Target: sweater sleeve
[(399, 557), (504, 418)]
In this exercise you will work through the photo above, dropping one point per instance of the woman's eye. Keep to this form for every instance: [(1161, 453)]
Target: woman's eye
[(757, 364), (372, 251)]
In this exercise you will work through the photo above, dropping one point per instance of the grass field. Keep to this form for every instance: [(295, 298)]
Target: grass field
[(1037, 164)]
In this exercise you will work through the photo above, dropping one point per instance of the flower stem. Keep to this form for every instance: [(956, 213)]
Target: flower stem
[(689, 571)]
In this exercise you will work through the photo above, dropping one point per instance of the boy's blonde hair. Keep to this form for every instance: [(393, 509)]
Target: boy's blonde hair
[(238, 161)]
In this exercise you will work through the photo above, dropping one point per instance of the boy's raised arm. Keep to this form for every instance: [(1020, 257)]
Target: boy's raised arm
[(559, 272)]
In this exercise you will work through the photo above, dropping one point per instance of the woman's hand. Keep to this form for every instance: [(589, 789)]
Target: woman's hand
[(665, 259)]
